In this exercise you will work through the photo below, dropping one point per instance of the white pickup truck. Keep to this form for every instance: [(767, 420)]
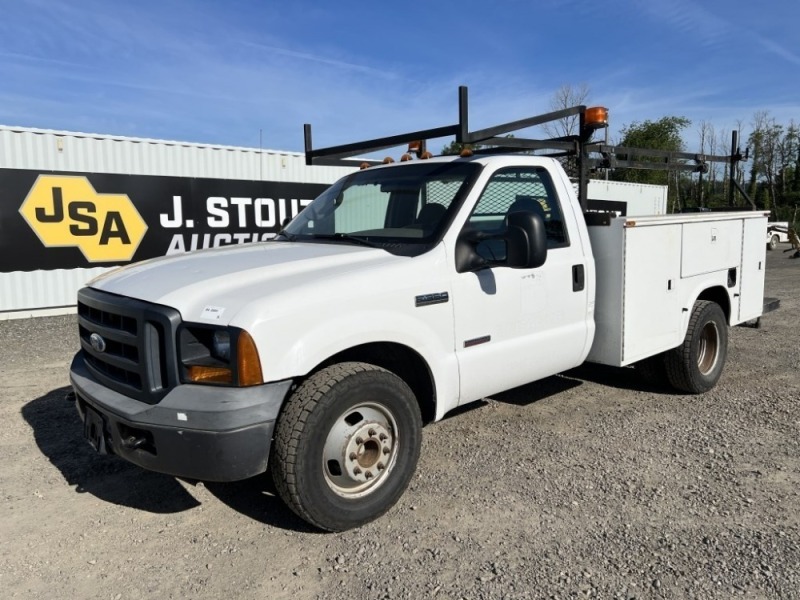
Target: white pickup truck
[(777, 233), (402, 292)]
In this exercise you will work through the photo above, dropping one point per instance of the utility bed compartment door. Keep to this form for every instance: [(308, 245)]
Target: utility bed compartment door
[(710, 246), (754, 255), (652, 316), (637, 312)]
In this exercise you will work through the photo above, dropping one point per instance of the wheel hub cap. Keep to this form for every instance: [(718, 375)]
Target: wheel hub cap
[(360, 450)]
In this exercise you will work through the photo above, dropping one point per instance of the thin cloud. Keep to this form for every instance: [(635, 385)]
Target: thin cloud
[(688, 18), (322, 60), (778, 50), (39, 59)]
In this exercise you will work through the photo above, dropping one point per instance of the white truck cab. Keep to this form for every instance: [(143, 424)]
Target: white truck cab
[(402, 292)]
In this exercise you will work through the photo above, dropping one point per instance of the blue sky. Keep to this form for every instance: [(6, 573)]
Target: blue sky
[(228, 72)]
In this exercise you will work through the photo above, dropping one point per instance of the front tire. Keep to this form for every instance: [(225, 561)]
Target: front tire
[(696, 365), (773, 242), (346, 445)]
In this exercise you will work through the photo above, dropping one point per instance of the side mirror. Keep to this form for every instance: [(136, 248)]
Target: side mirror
[(523, 235), (526, 240)]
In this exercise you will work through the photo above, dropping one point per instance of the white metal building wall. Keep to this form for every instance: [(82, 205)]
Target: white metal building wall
[(24, 294), (41, 149)]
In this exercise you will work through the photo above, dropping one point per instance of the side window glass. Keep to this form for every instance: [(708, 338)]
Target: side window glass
[(514, 189)]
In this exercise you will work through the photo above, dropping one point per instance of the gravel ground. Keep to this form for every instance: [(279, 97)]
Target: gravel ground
[(587, 484)]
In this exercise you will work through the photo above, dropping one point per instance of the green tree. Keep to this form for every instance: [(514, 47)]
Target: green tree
[(664, 134)]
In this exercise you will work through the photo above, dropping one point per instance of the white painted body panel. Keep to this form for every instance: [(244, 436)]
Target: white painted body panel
[(537, 324), (305, 302), (639, 198), (651, 270)]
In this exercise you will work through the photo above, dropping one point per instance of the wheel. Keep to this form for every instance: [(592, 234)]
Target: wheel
[(346, 445), (653, 371), (696, 365), (773, 242)]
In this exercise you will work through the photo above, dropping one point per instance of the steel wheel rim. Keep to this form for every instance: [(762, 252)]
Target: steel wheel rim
[(708, 352), (360, 451)]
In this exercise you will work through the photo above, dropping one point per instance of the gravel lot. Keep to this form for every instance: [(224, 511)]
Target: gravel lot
[(587, 484)]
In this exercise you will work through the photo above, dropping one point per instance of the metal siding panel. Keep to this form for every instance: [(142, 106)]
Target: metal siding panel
[(25, 148), (34, 290)]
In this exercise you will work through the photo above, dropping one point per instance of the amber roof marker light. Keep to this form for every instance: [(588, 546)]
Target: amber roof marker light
[(596, 117), (417, 147)]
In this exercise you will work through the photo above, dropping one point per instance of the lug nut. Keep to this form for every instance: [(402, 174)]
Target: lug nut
[(381, 467), (356, 471), (386, 451), (353, 456), (383, 437), (368, 474), (371, 433), (359, 441)]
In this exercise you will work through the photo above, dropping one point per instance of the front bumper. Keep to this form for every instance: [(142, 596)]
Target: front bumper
[(209, 433)]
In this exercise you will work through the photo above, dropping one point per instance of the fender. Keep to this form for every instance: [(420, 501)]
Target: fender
[(284, 355), (702, 288)]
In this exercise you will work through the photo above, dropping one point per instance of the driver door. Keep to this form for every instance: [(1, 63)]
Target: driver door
[(514, 326)]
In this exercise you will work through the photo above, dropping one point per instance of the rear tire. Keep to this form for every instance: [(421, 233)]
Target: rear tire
[(696, 365), (346, 445)]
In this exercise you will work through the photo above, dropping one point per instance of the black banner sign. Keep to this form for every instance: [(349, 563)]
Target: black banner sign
[(58, 220)]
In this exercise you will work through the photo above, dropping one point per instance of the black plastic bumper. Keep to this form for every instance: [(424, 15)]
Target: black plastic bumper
[(202, 432)]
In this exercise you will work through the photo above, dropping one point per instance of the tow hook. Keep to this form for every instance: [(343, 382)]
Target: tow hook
[(133, 443)]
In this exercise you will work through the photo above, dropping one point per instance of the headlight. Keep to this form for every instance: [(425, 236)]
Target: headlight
[(214, 355), (222, 345)]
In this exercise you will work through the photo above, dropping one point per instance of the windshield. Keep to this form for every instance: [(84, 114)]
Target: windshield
[(406, 205)]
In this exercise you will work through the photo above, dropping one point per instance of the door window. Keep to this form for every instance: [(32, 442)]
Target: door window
[(515, 189)]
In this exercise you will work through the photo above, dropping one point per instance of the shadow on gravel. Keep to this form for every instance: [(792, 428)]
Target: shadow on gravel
[(257, 499), (623, 378), (58, 432), (538, 390)]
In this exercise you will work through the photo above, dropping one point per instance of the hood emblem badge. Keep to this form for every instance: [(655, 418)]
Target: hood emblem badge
[(97, 342)]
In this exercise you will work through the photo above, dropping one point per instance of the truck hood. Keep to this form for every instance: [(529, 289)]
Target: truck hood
[(213, 285)]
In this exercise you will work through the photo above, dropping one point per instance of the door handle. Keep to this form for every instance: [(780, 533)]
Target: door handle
[(578, 278)]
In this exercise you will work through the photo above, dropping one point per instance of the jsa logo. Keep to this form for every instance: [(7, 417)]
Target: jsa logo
[(66, 211)]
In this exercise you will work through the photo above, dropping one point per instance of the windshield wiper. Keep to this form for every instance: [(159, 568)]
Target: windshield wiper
[(346, 237)]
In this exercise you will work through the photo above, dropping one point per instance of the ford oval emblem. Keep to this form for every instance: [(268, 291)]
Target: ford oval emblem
[(97, 342)]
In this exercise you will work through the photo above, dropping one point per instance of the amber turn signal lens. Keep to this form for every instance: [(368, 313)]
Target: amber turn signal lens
[(210, 374), (249, 363)]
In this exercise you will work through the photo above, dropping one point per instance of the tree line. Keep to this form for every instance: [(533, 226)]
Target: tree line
[(770, 176)]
